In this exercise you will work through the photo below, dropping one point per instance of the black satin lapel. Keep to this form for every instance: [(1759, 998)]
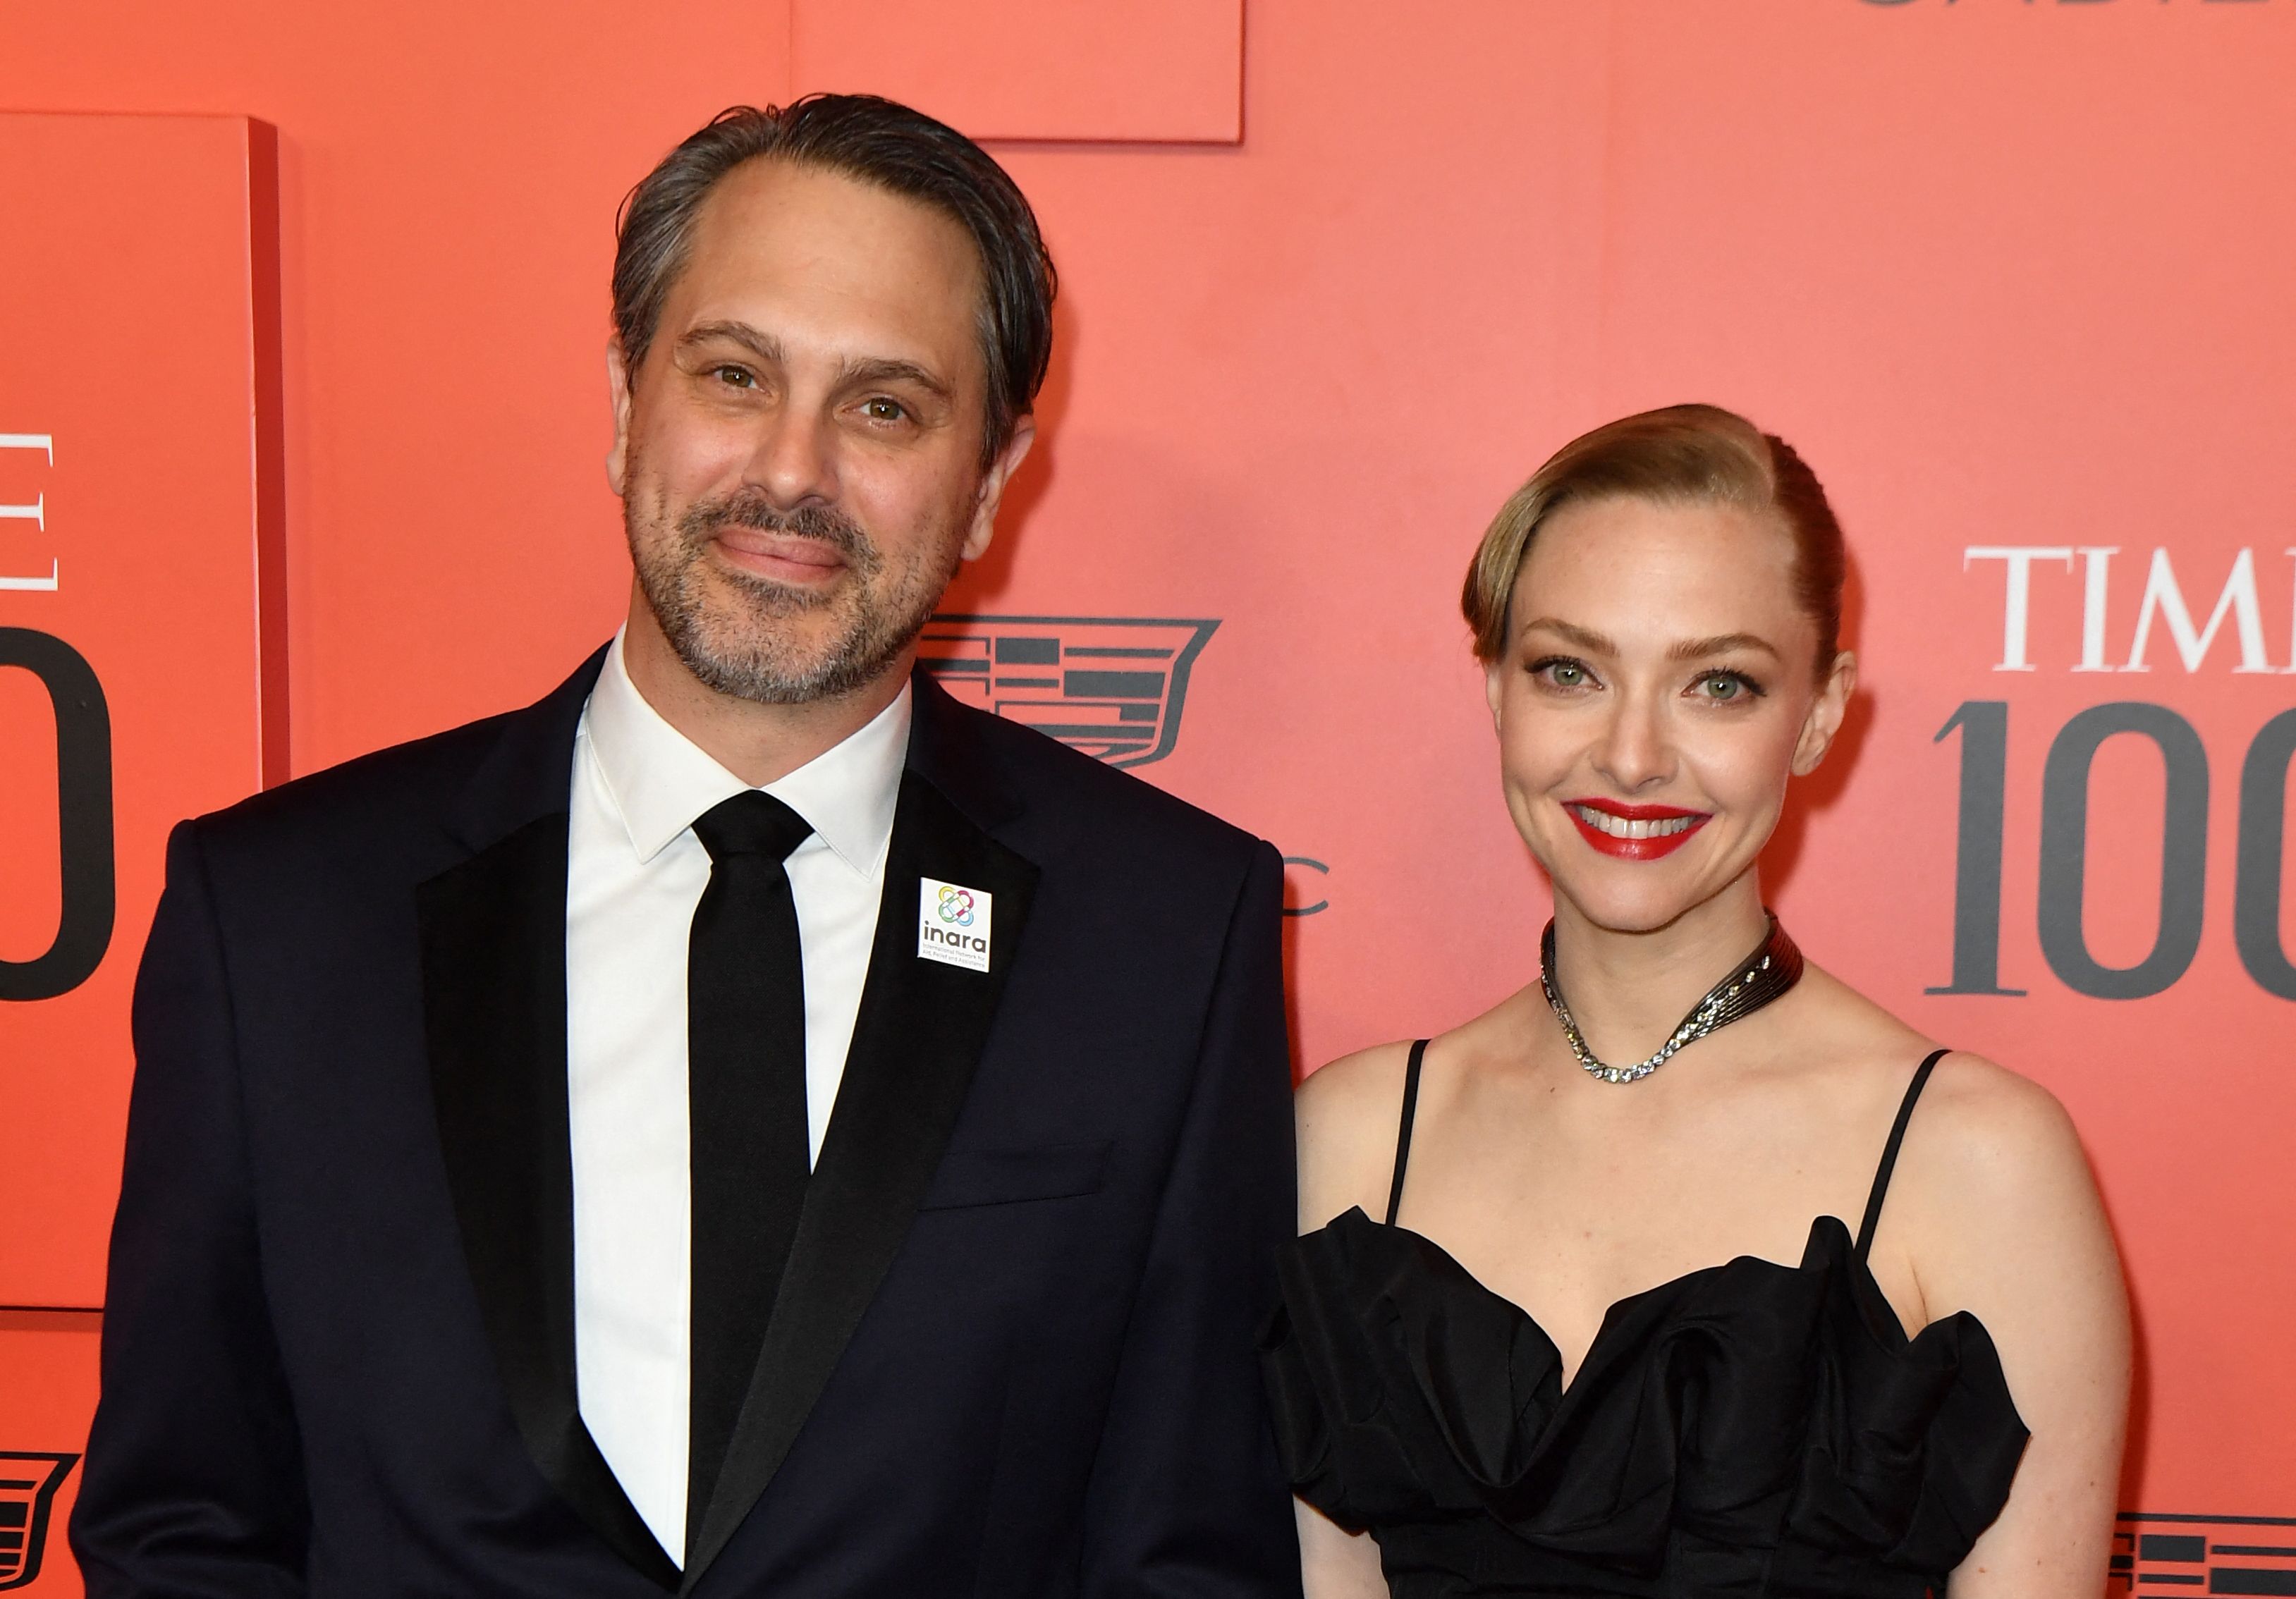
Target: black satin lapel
[(526, 773), (493, 988), (919, 1037)]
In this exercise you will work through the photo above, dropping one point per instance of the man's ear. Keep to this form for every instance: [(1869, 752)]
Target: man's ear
[(618, 386), (1825, 714), (991, 492)]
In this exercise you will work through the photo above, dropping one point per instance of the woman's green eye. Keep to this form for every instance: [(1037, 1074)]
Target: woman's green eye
[(1567, 675), (1721, 686)]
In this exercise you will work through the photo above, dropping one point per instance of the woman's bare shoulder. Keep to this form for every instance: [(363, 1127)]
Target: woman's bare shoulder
[(1339, 1092), (1993, 1136), (1350, 1112), (1973, 1113), (1347, 1112), (1981, 1139), (2004, 1222)]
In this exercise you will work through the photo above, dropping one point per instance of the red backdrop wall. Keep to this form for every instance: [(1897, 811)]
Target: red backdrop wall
[(1336, 276)]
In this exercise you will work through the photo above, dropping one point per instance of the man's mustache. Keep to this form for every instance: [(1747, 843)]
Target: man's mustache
[(705, 518)]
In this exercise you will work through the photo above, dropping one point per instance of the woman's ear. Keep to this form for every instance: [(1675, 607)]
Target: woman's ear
[(1827, 710)]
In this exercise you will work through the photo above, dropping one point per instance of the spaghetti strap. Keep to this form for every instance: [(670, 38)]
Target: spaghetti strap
[(1403, 1127), (1890, 1154)]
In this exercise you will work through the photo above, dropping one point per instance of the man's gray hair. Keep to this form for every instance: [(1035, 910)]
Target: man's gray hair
[(877, 141)]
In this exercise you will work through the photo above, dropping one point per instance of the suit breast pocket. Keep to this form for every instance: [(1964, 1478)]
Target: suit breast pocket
[(1008, 1176)]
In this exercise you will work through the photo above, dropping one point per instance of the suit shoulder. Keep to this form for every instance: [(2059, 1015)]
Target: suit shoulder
[(1088, 795), (384, 786)]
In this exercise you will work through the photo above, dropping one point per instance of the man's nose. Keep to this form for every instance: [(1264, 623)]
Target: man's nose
[(1633, 751), (795, 458)]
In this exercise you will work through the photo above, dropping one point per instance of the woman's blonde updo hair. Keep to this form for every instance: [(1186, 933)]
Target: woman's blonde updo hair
[(1684, 455)]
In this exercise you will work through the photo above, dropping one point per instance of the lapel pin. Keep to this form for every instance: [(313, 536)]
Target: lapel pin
[(953, 923)]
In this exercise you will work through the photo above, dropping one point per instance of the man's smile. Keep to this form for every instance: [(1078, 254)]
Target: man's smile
[(783, 557)]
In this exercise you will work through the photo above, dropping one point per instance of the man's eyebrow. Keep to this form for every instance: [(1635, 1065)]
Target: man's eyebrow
[(756, 340), (1584, 638), (886, 369), (860, 370), (1722, 644)]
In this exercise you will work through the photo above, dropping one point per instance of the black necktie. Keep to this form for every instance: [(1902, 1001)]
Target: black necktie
[(745, 1083)]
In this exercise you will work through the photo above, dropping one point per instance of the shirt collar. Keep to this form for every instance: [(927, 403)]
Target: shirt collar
[(660, 780)]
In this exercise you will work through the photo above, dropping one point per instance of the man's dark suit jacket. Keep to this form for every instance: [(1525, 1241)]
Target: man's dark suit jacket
[(1013, 1351)]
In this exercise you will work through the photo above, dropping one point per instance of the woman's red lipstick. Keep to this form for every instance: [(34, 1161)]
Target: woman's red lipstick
[(1659, 839)]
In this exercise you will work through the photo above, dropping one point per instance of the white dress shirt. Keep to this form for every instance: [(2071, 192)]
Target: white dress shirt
[(635, 873)]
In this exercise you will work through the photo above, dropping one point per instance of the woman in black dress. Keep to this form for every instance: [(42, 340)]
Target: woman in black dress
[(1579, 1309)]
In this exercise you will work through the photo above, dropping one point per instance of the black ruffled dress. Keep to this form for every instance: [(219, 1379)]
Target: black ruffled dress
[(1751, 1428)]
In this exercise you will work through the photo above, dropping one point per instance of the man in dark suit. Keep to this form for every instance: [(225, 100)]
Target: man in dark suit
[(746, 1124)]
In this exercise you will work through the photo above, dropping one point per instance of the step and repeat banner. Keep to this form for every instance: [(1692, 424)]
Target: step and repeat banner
[(301, 414)]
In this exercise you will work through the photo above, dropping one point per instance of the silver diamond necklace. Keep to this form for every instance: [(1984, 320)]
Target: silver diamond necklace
[(1752, 983)]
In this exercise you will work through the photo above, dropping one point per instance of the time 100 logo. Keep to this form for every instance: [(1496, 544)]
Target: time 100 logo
[(1983, 726), (83, 772)]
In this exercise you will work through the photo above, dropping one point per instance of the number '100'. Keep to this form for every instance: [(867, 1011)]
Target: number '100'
[(1984, 728)]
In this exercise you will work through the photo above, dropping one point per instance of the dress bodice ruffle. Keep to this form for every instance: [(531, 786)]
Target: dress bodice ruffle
[(1751, 1428)]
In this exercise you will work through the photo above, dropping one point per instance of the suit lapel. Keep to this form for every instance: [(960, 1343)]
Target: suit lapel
[(922, 1028), (493, 933)]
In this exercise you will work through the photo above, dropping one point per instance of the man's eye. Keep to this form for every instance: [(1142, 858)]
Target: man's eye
[(737, 377), (881, 409)]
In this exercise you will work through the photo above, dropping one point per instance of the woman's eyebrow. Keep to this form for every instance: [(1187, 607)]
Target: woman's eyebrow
[(1722, 644), (1571, 633)]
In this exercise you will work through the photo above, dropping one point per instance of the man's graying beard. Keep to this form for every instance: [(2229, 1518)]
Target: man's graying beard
[(735, 645)]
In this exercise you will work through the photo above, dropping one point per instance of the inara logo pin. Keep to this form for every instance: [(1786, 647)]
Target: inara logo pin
[(953, 923)]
